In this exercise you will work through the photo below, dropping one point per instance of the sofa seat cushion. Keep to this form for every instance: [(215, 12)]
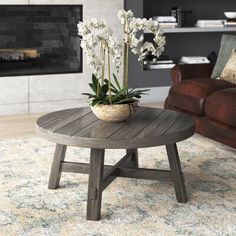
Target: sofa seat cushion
[(221, 106), (190, 95)]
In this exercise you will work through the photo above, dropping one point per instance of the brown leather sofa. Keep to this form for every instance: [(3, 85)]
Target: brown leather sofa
[(211, 102)]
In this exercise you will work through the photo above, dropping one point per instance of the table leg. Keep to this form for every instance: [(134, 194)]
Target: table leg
[(55, 175), (133, 160), (176, 172), (95, 184)]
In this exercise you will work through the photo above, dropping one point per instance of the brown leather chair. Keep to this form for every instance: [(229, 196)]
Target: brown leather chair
[(211, 102)]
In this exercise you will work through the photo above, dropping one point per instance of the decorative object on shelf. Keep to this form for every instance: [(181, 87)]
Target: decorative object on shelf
[(166, 22), (231, 19), (230, 14), (230, 22), (163, 62), (194, 60), (164, 19), (185, 16), (209, 23), (212, 57), (177, 13), (101, 48), (159, 65)]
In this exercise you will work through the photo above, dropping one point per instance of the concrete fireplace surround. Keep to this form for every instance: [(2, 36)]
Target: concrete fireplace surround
[(44, 93)]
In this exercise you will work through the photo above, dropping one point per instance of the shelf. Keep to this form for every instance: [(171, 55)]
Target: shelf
[(189, 40), (157, 69), (199, 30)]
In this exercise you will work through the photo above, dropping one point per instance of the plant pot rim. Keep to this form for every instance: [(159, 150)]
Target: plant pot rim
[(124, 104)]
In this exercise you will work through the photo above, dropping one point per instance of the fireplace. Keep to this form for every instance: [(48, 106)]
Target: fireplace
[(39, 39)]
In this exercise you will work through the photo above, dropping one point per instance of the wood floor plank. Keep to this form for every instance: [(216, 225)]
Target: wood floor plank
[(18, 125)]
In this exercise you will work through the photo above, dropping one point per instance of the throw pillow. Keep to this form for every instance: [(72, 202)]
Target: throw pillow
[(229, 72), (228, 43)]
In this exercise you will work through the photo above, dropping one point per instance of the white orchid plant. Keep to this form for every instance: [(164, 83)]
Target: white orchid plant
[(102, 48)]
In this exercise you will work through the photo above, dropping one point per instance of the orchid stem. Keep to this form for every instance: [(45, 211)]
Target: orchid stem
[(109, 76), (125, 57), (104, 62), (98, 87)]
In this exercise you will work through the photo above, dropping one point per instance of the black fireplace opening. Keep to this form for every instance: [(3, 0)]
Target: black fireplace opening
[(40, 39)]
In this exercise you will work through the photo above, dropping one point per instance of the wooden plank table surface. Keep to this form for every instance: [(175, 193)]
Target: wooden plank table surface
[(149, 127)]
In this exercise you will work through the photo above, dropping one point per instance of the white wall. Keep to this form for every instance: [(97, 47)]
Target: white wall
[(42, 93)]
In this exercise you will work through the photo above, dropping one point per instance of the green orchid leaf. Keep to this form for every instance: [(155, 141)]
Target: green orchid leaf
[(94, 83), (126, 100), (112, 86), (94, 88), (117, 82), (104, 88)]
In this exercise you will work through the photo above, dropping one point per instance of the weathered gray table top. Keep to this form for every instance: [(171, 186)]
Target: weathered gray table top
[(149, 127)]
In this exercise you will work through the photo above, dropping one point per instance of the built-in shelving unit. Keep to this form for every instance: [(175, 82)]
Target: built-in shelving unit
[(199, 30), (183, 41)]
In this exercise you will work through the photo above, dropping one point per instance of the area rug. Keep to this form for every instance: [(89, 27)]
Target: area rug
[(130, 207)]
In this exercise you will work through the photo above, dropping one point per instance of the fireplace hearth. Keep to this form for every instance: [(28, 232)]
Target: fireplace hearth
[(39, 39)]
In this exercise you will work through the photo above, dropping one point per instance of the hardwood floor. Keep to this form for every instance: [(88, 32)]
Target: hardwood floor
[(23, 125), (17, 125)]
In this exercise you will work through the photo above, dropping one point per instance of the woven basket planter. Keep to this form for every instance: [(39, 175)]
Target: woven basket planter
[(114, 112)]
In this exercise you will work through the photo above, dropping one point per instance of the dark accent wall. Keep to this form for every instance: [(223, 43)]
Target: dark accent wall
[(201, 9), (177, 44), (51, 29)]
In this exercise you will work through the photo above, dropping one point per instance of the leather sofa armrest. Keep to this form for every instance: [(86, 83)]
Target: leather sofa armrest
[(189, 71)]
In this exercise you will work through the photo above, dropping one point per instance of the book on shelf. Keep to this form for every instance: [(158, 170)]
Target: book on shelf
[(159, 64), (164, 18), (166, 22), (194, 60), (209, 23), (230, 22), (168, 25), (162, 62)]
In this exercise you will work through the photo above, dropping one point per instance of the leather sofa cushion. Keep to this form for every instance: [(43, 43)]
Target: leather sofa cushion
[(190, 95), (221, 106)]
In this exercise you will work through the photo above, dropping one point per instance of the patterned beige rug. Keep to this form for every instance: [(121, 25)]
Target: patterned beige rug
[(130, 207)]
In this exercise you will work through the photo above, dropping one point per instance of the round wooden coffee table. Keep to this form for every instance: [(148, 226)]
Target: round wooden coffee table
[(148, 128)]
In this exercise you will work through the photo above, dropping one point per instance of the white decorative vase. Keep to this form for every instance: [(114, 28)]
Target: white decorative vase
[(114, 112)]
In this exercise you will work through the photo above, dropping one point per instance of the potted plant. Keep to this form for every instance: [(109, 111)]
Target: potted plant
[(111, 100)]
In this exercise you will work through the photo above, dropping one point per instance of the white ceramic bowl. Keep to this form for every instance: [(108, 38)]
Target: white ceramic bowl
[(230, 14)]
